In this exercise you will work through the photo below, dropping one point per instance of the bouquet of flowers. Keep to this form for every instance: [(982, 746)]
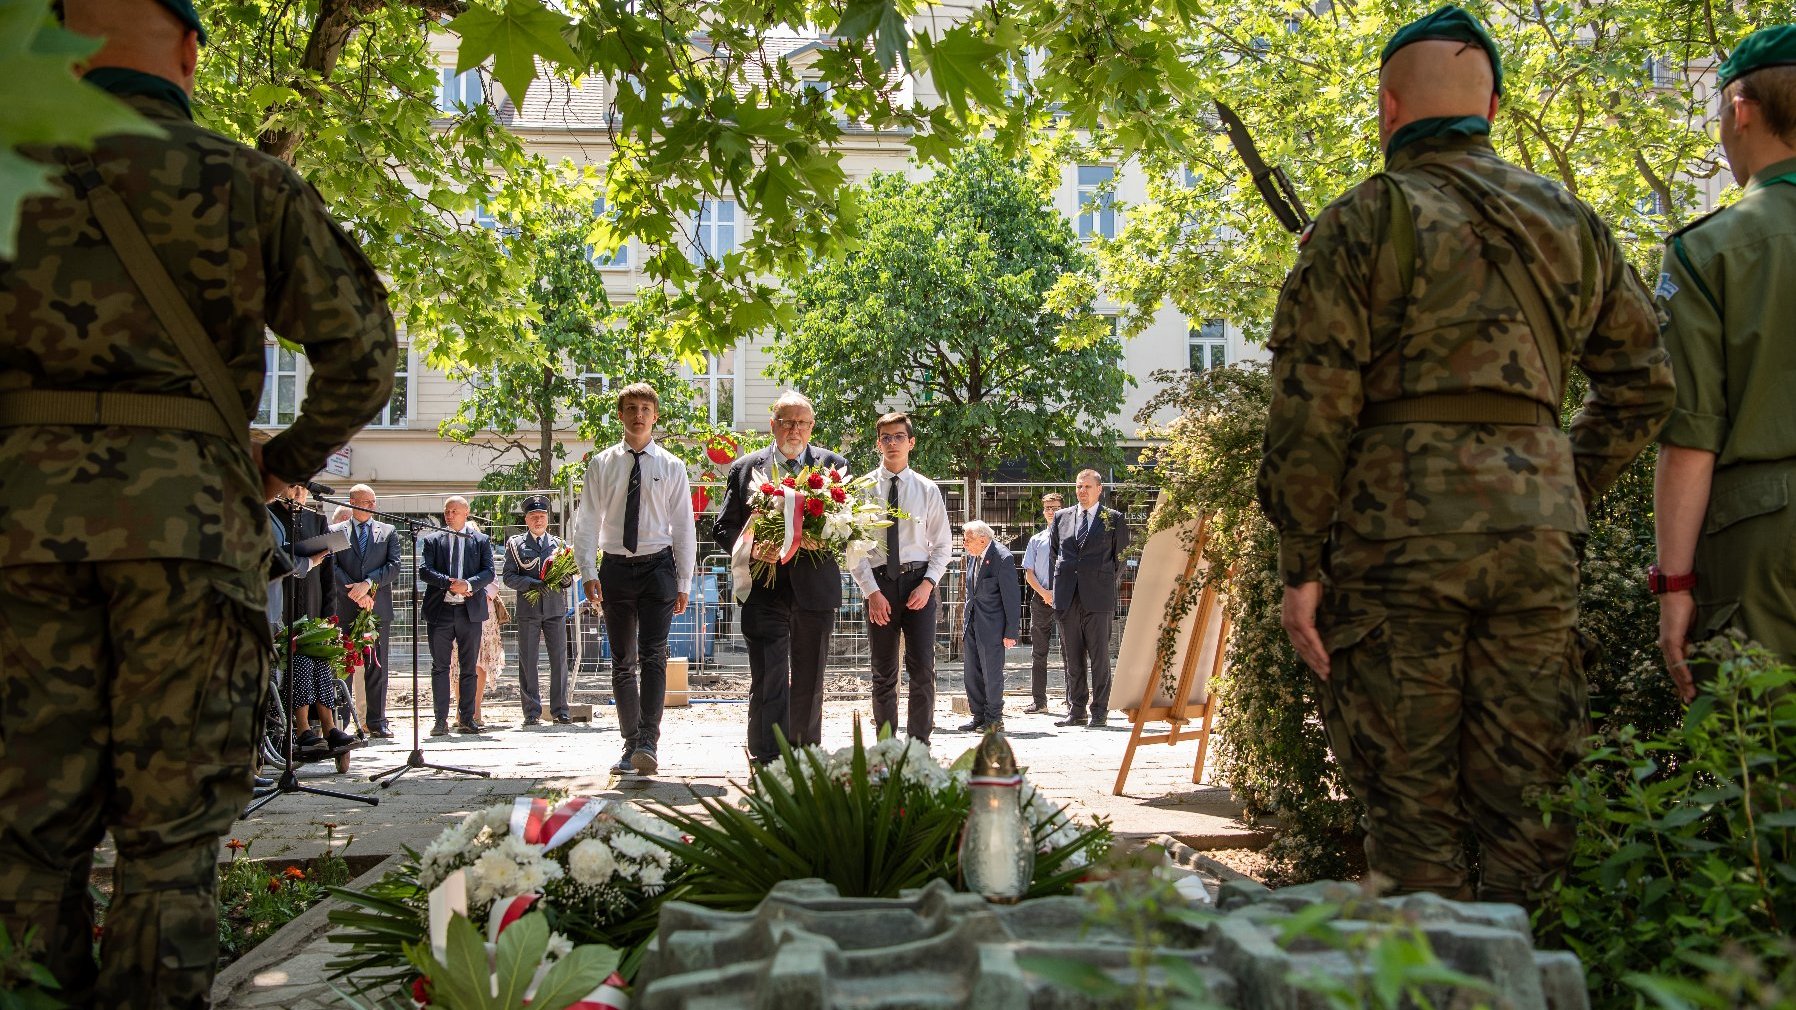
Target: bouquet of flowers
[(817, 509), (363, 632), (557, 572), (321, 639)]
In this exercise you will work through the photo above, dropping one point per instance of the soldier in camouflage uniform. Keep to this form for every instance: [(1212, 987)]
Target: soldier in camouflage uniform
[(1722, 498), (134, 547), (1424, 495)]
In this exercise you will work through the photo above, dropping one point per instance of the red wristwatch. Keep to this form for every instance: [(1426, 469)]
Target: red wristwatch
[(1660, 583)]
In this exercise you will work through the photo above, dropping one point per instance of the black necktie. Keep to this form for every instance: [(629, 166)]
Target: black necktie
[(892, 560), (972, 574), (633, 500), (361, 536), (1084, 527)]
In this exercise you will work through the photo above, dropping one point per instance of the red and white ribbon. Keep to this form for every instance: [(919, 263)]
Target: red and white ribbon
[(789, 503), (612, 995), (507, 911), (534, 822)]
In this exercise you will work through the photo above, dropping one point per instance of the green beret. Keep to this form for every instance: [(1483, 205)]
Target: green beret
[(184, 12), (1450, 24), (1767, 47)]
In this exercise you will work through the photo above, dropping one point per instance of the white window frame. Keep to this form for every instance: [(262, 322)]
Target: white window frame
[(706, 235), (618, 260), (1208, 340), (1100, 220), (720, 368), (272, 353), (404, 369), (459, 92)]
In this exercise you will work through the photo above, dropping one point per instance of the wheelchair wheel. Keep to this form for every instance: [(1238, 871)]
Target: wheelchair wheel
[(276, 727)]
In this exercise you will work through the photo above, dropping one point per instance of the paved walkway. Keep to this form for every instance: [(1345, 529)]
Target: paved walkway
[(701, 753)]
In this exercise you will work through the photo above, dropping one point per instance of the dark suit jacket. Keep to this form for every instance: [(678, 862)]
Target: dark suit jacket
[(477, 571), (813, 580), (522, 563), (994, 607), (1089, 571), (314, 591), (381, 565)]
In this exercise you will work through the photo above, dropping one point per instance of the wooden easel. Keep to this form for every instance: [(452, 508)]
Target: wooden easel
[(1179, 714)]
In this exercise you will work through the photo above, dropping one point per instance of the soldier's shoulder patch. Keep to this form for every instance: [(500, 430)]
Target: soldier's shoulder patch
[(1666, 288)]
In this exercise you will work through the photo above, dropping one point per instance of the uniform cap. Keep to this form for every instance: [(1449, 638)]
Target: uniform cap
[(1449, 24), (184, 12), (1767, 47), (536, 503)]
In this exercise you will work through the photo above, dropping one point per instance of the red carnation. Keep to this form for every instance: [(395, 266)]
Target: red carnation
[(421, 989), (778, 492), (789, 481), (838, 493), (835, 476), (332, 618), (767, 488), (816, 480), (815, 506)]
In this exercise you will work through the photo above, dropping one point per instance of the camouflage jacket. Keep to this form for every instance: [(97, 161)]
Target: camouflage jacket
[(1347, 334), (252, 247)]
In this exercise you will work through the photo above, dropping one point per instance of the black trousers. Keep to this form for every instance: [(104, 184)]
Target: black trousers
[(1042, 624), (444, 636), (1085, 642), (532, 631), (787, 650), (374, 679), (917, 629), (640, 593)]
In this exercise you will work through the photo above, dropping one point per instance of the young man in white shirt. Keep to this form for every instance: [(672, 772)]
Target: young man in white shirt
[(899, 578), (636, 508)]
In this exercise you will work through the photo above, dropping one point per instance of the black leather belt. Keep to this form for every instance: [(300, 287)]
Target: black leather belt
[(908, 568), (638, 559)]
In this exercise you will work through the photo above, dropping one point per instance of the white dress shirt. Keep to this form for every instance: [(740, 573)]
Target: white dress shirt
[(665, 519), (925, 536)]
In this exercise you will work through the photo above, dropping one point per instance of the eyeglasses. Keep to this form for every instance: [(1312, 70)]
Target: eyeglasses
[(893, 439), (786, 422)]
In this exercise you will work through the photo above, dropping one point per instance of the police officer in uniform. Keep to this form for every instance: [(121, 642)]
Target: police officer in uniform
[(134, 545), (1424, 495), (542, 620), (1726, 531)]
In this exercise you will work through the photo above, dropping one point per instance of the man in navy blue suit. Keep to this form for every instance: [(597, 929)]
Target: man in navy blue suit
[(366, 571), (994, 617), (1089, 542), (457, 568)]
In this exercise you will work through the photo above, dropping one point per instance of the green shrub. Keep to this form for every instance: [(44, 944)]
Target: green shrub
[(1683, 880)]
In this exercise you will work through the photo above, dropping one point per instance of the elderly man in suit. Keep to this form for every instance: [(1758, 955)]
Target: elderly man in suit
[(994, 617), (545, 618), (365, 573), (457, 565), (787, 625), (1089, 541)]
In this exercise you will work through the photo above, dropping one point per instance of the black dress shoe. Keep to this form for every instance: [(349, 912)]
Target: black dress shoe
[(468, 727), (382, 733), (439, 728), (264, 782), (1033, 709), (340, 742), (564, 720), (1097, 722), (1072, 720), (533, 721), (972, 727)]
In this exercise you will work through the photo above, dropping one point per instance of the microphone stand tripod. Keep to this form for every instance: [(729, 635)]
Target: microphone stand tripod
[(416, 758), (288, 782)]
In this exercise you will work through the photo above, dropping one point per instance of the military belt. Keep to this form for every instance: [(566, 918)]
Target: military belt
[(105, 408), (1475, 407)]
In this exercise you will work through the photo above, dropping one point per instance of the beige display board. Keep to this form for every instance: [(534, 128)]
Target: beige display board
[(1197, 657)]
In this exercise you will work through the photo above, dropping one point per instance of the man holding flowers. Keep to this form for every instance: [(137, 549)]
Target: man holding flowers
[(786, 619), (898, 579), (537, 565), (636, 507)]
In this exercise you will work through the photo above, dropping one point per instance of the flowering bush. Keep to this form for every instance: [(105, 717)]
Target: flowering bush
[(597, 865), (873, 821)]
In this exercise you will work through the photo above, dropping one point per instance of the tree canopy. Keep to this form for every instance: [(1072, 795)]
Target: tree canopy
[(955, 306)]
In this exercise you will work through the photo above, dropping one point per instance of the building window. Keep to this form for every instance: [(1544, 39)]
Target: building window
[(1661, 72), (617, 260), (713, 231), (819, 88), (594, 383), (457, 92), (1023, 67), (280, 387), (1097, 204), (716, 388), (395, 413), (1208, 347)]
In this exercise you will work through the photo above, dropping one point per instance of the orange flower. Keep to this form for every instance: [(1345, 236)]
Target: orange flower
[(236, 845), (294, 873), (274, 885)]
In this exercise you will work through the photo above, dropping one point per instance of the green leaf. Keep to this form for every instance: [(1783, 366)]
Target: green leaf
[(22, 179), (512, 39), (863, 17), (519, 953), (960, 63), (1079, 976), (584, 969)]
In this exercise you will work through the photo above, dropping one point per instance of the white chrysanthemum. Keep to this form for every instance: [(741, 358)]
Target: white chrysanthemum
[(511, 867), (559, 947), (652, 877), (591, 862), (631, 846)]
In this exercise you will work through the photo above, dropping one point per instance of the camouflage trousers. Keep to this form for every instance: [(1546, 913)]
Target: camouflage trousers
[(129, 701), (1456, 698)]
